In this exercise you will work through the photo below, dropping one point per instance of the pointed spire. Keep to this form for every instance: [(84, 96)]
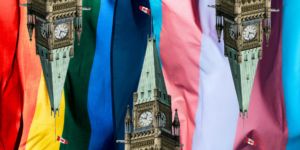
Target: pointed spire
[(78, 28), (267, 36), (30, 24), (55, 66), (219, 26), (219, 33), (267, 30), (267, 21), (30, 27), (30, 18), (243, 69), (128, 116), (176, 127), (78, 36), (128, 121), (152, 85), (176, 122), (128, 129)]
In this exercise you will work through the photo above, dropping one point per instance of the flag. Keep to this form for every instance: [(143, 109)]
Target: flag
[(106, 68), (290, 71), (62, 140), (250, 141), (11, 91), (145, 10)]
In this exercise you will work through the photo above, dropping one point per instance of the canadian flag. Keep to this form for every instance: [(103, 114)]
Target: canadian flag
[(250, 141), (62, 140), (145, 10)]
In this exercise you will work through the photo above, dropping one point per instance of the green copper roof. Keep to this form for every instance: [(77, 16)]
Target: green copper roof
[(152, 85), (55, 72), (243, 74)]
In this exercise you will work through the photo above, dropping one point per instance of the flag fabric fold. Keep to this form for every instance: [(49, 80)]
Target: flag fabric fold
[(10, 80), (217, 102), (129, 39), (291, 70)]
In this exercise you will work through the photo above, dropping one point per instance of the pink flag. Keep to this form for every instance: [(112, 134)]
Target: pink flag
[(62, 140), (250, 141), (145, 10)]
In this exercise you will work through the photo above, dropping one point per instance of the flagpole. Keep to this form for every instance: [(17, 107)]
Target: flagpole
[(148, 12), (151, 30), (55, 128)]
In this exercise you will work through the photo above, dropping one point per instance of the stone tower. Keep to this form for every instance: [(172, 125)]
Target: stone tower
[(151, 126), (55, 22), (245, 22)]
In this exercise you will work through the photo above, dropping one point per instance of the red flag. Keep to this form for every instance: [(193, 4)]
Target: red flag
[(12, 87), (250, 141), (62, 140), (145, 10)]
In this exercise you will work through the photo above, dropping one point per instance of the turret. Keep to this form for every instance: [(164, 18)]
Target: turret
[(159, 123), (219, 21), (78, 28), (267, 29), (128, 129), (176, 127), (267, 21), (78, 20), (157, 130), (219, 25), (128, 121), (30, 19)]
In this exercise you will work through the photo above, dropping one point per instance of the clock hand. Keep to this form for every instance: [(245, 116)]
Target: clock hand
[(249, 35), (145, 117), (65, 32), (252, 34)]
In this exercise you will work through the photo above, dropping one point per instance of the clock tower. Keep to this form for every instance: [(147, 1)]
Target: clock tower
[(55, 22), (245, 24), (151, 126)]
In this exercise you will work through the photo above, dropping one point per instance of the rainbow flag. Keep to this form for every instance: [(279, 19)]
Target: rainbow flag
[(105, 72)]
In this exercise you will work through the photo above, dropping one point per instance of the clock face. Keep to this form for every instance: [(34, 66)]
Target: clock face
[(163, 119), (43, 30), (232, 31), (249, 32), (145, 119), (61, 31)]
